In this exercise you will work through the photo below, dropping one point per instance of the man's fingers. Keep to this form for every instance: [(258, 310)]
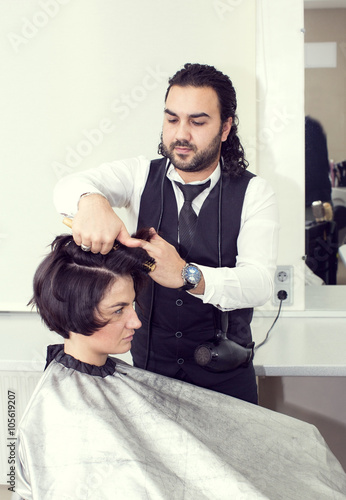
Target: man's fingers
[(154, 235), (97, 245), (125, 238), (106, 248), (104, 244), (133, 242)]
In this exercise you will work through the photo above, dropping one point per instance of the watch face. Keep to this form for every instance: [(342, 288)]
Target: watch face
[(192, 275)]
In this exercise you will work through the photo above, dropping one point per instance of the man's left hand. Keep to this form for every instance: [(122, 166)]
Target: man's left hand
[(169, 264)]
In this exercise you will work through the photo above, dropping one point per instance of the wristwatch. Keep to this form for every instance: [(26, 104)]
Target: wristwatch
[(191, 276)]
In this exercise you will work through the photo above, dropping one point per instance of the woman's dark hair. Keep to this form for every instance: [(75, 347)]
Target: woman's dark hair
[(202, 75), (69, 284)]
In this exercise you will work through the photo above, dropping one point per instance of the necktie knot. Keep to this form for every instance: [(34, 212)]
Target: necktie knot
[(190, 191)]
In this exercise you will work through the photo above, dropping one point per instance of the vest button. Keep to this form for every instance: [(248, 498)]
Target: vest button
[(180, 361), (178, 335), (179, 302)]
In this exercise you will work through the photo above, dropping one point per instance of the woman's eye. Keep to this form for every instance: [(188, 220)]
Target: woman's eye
[(119, 311)]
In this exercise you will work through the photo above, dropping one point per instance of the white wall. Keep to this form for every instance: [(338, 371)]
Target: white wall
[(280, 127), (83, 82)]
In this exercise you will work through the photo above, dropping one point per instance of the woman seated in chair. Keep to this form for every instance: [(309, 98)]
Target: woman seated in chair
[(98, 428)]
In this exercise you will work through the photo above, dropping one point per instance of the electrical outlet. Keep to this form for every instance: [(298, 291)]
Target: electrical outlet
[(283, 281)]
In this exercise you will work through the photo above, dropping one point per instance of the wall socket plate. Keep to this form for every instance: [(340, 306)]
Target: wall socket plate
[(283, 281)]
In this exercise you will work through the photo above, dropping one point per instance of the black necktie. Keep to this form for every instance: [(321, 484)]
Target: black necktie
[(187, 216)]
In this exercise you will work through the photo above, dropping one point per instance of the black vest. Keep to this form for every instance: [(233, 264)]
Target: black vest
[(175, 322)]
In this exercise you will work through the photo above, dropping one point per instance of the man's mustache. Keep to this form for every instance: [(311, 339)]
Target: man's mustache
[(183, 144)]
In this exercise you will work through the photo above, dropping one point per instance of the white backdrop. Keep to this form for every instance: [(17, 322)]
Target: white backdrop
[(83, 82)]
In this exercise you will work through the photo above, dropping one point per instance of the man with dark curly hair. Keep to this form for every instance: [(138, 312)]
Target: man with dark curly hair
[(214, 229)]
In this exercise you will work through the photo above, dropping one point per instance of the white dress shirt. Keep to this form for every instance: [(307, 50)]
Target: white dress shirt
[(250, 283)]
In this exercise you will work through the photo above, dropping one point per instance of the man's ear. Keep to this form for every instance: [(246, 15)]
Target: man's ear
[(226, 128)]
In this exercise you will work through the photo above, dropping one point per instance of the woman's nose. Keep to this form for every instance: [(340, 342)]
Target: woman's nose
[(134, 322)]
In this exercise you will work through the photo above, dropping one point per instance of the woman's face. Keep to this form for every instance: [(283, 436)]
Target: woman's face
[(115, 338), (117, 308)]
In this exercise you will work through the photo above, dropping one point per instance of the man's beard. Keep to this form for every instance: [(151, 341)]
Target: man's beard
[(202, 160)]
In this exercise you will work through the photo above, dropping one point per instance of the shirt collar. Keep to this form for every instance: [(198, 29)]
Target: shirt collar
[(173, 175)]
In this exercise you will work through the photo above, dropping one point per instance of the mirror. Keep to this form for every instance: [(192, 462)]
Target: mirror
[(325, 101)]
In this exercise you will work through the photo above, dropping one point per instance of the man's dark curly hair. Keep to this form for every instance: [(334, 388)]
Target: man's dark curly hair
[(202, 75)]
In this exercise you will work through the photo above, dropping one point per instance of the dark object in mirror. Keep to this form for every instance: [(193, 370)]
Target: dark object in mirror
[(321, 247), (317, 169), (340, 174)]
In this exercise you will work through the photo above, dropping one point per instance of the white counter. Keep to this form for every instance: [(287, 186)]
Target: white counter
[(305, 343), (311, 343), (301, 346)]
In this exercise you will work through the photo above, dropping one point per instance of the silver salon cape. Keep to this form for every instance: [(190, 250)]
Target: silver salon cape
[(119, 432)]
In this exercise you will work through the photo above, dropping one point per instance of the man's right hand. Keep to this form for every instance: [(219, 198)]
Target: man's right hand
[(96, 225)]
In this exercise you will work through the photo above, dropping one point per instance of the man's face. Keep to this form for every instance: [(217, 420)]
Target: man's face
[(192, 130)]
